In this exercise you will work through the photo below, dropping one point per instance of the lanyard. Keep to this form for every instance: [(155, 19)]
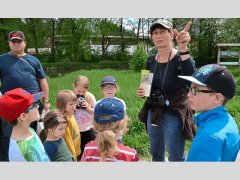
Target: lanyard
[(165, 72)]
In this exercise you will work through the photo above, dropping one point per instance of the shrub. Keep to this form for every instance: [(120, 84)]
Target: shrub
[(138, 60), (119, 56)]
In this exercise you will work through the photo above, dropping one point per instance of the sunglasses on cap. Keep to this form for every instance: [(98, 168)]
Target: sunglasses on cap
[(195, 91), (34, 105)]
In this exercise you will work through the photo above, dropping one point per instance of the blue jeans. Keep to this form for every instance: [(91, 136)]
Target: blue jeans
[(167, 135), (5, 133)]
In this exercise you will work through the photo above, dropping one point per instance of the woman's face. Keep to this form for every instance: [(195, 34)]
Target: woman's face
[(161, 37)]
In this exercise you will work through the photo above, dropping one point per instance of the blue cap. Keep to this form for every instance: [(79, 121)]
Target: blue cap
[(109, 80), (216, 77), (109, 110)]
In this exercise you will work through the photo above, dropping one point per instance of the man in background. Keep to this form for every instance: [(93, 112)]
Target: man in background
[(19, 69)]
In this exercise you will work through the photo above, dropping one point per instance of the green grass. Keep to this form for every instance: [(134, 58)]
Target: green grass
[(128, 82)]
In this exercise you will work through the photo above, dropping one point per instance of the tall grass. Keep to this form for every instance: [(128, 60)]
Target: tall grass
[(128, 82)]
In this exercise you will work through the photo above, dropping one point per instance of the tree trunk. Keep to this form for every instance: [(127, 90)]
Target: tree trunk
[(138, 29), (34, 32), (147, 32), (122, 40), (53, 40), (200, 39)]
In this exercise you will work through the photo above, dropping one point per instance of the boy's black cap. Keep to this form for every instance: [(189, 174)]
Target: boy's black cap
[(216, 77)]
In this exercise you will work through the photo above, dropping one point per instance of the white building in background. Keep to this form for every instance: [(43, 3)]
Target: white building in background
[(40, 50), (113, 48), (95, 42)]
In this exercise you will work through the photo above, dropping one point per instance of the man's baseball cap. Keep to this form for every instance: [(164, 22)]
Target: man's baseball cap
[(16, 35), (215, 77), (109, 110), (161, 22), (17, 101), (108, 80)]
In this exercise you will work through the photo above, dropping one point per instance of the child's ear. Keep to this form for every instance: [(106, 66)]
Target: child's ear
[(219, 98), (48, 130), (22, 116)]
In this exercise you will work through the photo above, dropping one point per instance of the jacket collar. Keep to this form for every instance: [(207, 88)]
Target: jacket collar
[(203, 117)]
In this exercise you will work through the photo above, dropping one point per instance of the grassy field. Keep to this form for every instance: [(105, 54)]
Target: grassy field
[(128, 82)]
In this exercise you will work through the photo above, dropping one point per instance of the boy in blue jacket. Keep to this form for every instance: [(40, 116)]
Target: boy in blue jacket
[(217, 138)]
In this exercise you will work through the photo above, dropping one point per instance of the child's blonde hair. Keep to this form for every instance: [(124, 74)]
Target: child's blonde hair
[(107, 136), (82, 79), (110, 122), (86, 83), (51, 120), (63, 97)]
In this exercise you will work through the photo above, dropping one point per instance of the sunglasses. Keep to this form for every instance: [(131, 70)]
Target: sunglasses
[(196, 91), (34, 105), (17, 41)]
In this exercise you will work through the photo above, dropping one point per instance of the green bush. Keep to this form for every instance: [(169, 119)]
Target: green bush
[(119, 56), (138, 61), (84, 65)]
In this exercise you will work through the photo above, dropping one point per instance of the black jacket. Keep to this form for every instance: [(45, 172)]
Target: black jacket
[(179, 105)]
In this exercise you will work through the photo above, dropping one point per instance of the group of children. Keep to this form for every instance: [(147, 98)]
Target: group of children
[(76, 122), (81, 129)]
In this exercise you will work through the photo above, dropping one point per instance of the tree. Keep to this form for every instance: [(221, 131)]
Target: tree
[(74, 35), (7, 25), (36, 30)]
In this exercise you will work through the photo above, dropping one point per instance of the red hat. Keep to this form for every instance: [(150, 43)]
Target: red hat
[(15, 102), (16, 35)]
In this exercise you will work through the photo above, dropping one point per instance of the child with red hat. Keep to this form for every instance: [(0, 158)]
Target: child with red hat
[(18, 108)]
